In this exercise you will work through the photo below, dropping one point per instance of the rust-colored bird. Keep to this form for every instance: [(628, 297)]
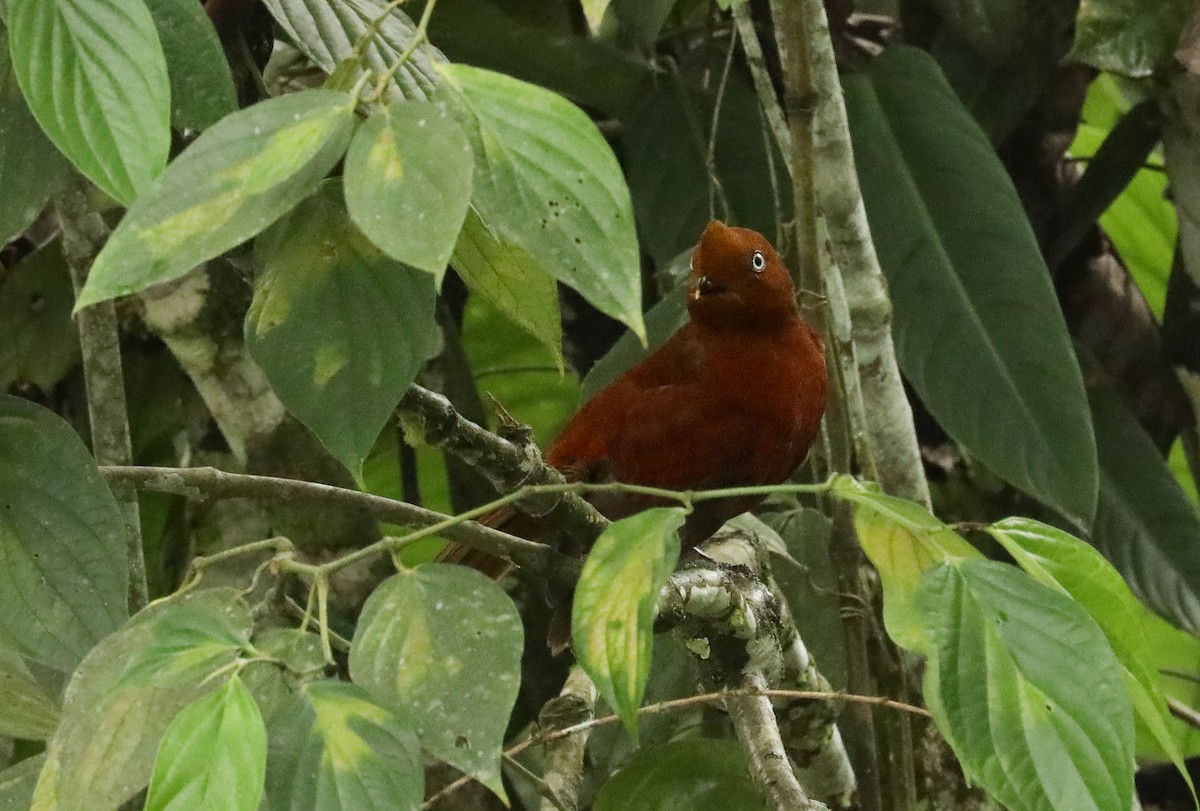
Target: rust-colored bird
[(734, 398)]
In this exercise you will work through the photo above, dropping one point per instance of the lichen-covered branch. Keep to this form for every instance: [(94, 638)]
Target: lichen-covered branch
[(84, 234), (563, 772)]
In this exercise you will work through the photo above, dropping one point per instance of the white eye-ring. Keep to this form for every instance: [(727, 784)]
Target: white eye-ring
[(758, 261)]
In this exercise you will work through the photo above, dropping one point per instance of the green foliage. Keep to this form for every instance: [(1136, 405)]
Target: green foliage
[(689, 775), (39, 344), (1128, 37), (202, 90), (28, 711)]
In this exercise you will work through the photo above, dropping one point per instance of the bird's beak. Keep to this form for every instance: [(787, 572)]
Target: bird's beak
[(706, 287)]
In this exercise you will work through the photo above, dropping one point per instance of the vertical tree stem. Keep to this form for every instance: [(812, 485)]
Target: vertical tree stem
[(84, 233)]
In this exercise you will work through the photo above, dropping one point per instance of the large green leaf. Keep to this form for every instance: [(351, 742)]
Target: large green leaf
[(237, 178), (39, 343), (689, 775), (103, 750), (327, 31), (612, 620), (339, 328), (1128, 37), (27, 711), (95, 78), (408, 183), (977, 327), (547, 182), (63, 571), (336, 749), (202, 91), (17, 782), (442, 646), (1026, 689), (32, 168), (213, 755)]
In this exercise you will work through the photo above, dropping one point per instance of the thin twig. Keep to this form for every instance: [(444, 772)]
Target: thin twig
[(1184, 712)]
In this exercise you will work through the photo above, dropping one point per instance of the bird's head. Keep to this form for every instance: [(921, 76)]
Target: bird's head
[(738, 280)]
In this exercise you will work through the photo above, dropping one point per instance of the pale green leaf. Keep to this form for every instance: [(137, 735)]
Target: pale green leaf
[(27, 710), (17, 782)]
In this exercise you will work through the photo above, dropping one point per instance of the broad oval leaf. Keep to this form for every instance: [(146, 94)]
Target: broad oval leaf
[(202, 91), (612, 619), (1128, 37), (977, 326), (237, 178), (95, 78), (547, 182), (339, 328), (103, 750), (328, 30), (688, 775), (1026, 689), (442, 645), (334, 748), (213, 755), (408, 183), (64, 577), (28, 711), (32, 168)]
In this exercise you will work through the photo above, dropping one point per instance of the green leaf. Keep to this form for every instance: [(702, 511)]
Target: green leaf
[(103, 750), (1128, 37), (408, 183), (442, 645), (237, 178), (904, 541), (640, 21), (28, 711), (95, 78), (339, 328), (1060, 560), (548, 183), (213, 755), (1026, 689), (32, 168), (64, 577), (327, 30), (335, 749), (1181, 147), (39, 343), (1145, 525), (202, 91), (613, 616), (689, 775), (955, 243), (507, 277), (17, 782)]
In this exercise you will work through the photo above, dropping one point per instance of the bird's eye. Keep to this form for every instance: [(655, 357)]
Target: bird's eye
[(758, 261)]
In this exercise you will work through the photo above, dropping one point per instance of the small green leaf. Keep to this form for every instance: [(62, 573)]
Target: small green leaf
[(237, 178), (339, 328), (442, 645), (506, 276), (95, 78), (202, 91), (213, 755), (64, 578), (1026, 689), (547, 182), (408, 183), (1128, 37), (903, 540), (335, 748), (613, 615), (39, 343), (28, 711), (698, 775)]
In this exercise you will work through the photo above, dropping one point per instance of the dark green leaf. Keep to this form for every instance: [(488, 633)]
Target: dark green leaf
[(237, 178), (32, 168), (213, 755), (327, 31), (613, 615), (689, 775), (339, 328), (62, 539), (27, 711), (662, 321), (1016, 677), (1128, 37), (955, 244), (442, 645), (336, 749), (547, 182), (408, 183), (202, 91), (1181, 146), (640, 21), (993, 28), (17, 782), (95, 78), (103, 750), (39, 343)]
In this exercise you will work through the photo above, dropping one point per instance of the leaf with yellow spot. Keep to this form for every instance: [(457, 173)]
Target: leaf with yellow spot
[(442, 645), (613, 616)]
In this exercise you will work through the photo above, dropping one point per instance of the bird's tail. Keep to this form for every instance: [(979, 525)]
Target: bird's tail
[(491, 565)]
